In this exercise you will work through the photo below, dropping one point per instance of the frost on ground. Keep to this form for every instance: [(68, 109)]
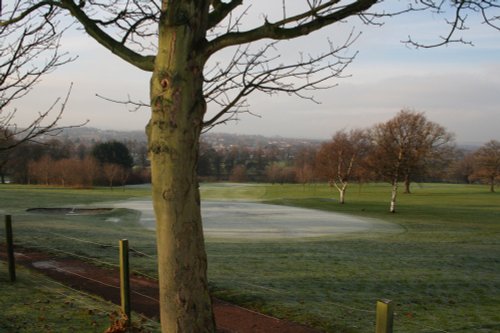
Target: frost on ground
[(250, 220)]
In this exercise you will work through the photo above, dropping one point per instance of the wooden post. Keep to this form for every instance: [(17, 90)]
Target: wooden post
[(10, 248), (385, 315), (125, 279)]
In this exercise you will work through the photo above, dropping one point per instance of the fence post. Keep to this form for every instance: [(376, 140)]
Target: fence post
[(385, 315), (10, 248), (125, 280)]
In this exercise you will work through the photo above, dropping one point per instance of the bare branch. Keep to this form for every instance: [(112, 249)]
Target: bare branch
[(91, 27), (134, 105), (489, 11), (22, 45), (458, 23), (29, 49), (13, 136), (316, 17), (220, 11), (249, 72), (18, 14), (131, 21)]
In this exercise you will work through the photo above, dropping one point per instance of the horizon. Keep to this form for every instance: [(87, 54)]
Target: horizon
[(458, 143), (456, 86)]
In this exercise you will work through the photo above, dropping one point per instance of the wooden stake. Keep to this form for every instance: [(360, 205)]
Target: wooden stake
[(385, 315), (125, 279), (10, 248)]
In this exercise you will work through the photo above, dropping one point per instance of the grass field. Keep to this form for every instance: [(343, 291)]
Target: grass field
[(37, 304), (442, 272)]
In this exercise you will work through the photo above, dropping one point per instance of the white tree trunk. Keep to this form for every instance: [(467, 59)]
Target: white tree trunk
[(394, 194), (342, 193)]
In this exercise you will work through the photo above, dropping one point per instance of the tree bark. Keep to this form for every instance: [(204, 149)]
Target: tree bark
[(407, 184), (342, 189), (342, 194), (178, 107), (394, 194), (395, 179), (492, 184)]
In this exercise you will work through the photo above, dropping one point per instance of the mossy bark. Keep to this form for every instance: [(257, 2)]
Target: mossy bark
[(178, 107)]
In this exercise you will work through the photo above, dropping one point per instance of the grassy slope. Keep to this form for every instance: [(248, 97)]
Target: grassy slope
[(443, 271), (35, 303)]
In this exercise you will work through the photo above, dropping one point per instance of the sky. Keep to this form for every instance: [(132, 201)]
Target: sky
[(457, 86)]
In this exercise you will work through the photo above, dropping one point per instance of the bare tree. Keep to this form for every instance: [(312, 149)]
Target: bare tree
[(462, 167), (29, 49), (6, 140), (238, 174), (304, 161), (177, 42), (42, 170), (341, 160), (487, 163), (90, 170), (111, 172), (279, 172), (406, 145)]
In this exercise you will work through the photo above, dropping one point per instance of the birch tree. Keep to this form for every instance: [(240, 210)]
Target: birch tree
[(405, 145), (177, 40), (341, 160)]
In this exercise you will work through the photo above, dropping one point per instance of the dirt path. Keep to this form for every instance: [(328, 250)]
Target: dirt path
[(144, 298)]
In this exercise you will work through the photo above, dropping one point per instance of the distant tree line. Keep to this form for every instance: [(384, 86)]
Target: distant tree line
[(66, 163), (407, 148)]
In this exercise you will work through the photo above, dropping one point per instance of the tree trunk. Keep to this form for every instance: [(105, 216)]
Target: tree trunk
[(394, 194), (342, 193), (492, 185), (407, 184), (395, 179), (342, 196), (174, 130), (341, 189)]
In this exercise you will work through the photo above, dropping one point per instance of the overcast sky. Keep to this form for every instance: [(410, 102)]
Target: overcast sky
[(457, 86)]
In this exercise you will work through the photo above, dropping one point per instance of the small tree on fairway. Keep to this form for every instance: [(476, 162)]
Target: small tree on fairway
[(406, 145), (343, 158), (487, 163), (186, 34), (462, 168)]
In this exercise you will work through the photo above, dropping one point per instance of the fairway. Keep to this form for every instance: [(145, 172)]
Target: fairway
[(438, 262), (257, 221)]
